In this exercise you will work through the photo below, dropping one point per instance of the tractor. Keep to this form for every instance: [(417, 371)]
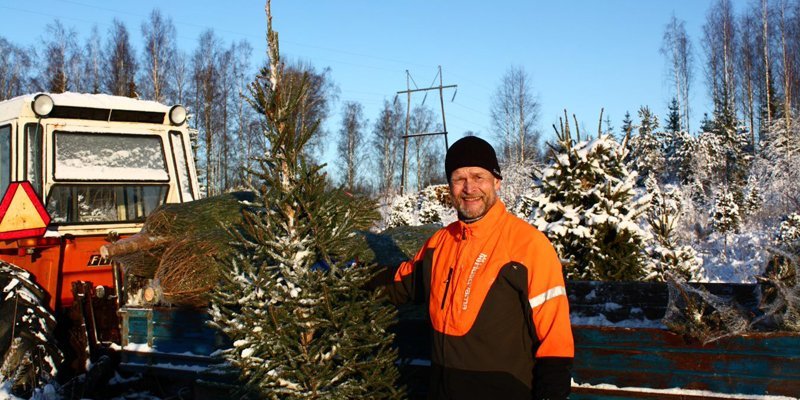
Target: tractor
[(76, 170)]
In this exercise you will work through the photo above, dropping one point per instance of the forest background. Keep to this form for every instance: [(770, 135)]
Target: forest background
[(722, 76)]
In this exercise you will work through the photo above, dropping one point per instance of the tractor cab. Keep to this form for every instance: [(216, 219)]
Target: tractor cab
[(79, 169)]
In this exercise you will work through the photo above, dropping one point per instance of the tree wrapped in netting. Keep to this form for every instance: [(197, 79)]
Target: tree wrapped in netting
[(697, 314), (587, 204), (780, 287), (291, 299), (177, 252)]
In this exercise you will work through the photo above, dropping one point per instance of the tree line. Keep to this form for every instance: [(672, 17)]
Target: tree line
[(749, 60)]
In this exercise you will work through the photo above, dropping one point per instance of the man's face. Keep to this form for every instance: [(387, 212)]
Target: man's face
[(474, 191)]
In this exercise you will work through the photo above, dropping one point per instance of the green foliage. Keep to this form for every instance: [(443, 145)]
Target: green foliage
[(292, 303), (587, 205), (646, 154), (673, 121), (725, 216), (666, 255)]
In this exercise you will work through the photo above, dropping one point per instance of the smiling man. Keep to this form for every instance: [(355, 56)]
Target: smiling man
[(495, 293)]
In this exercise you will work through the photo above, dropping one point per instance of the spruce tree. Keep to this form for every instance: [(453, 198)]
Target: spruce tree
[(292, 301), (646, 155), (725, 215), (736, 152), (666, 255), (673, 121), (587, 205), (627, 126)]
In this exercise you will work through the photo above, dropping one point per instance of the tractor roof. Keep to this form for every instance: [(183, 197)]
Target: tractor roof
[(21, 105)]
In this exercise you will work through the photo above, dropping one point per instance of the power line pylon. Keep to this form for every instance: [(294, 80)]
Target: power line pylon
[(408, 135)]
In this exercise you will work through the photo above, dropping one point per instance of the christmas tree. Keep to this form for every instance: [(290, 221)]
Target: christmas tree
[(587, 205), (291, 301), (667, 256), (646, 155)]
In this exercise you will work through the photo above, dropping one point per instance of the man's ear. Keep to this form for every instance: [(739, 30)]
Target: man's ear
[(497, 184)]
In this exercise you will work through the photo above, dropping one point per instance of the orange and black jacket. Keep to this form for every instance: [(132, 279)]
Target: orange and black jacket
[(498, 307)]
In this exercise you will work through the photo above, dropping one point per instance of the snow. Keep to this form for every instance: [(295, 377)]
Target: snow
[(171, 366), (98, 156), (686, 392), (5, 392), (601, 320), (106, 101), (139, 347)]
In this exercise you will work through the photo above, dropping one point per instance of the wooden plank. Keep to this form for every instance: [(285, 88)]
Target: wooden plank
[(652, 358)]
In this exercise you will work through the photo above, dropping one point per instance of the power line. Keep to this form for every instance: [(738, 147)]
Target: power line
[(408, 135)]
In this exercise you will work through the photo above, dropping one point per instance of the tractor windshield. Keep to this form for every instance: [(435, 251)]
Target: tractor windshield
[(103, 203), (83, 156), (88, 165)]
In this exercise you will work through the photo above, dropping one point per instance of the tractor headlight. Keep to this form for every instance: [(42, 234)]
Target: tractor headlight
[(42, 105), (177, 115)]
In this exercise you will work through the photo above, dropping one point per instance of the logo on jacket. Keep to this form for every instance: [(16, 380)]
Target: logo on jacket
[(478, 262)]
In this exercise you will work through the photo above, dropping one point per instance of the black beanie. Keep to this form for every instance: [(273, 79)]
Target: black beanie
[(471, 151)]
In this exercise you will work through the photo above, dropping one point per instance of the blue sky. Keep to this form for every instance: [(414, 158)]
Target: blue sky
[(582, 55)]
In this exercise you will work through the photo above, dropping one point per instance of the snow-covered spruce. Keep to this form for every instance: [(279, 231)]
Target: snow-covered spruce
[(431, 205), (666, 254), (588, 205)]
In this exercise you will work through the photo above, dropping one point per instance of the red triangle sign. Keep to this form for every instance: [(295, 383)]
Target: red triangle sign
[(22, 214)]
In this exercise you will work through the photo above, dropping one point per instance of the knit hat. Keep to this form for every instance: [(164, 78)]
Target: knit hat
[(471, 151)]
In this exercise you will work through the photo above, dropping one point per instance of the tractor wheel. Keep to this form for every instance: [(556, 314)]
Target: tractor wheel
[(28, 353)]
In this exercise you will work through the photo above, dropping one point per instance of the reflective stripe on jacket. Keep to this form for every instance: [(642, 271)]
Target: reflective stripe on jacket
[(498, 308)]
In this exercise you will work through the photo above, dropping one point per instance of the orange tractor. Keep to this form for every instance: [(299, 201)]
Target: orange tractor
[(75, 169)]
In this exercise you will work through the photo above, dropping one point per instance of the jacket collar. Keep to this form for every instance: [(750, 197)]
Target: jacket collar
[(481, 227)]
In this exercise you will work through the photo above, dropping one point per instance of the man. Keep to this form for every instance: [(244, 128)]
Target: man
[(495, 293)]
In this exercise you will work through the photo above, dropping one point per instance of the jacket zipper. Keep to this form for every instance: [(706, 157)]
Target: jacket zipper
[(459, 249), (447, 286)]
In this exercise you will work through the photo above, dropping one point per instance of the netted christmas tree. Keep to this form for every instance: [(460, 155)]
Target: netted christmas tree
[(292, 301), (588, 206), (779, 285)]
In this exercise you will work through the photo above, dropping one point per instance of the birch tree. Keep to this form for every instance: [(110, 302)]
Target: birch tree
[(349, 148), (15, 69), (59, 59), (514, 114), (748, 59), (93, 63), (719, 43), (120, 62), (159, 34), (386, 146), (205, 85), (677, 49)]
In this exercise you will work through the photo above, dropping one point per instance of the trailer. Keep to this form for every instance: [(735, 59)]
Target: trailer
[(617, 359)]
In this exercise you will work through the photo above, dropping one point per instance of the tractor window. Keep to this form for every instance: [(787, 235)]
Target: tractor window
[(181, 166), (33, 140), (5, 158), (104, 203), (109, 157)]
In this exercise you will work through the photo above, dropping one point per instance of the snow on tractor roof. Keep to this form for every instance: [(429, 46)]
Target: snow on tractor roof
[(21, 105)]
